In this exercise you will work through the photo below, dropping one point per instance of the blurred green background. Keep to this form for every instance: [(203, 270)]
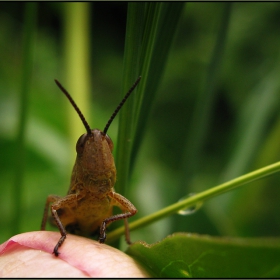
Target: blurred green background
[(199, 133)]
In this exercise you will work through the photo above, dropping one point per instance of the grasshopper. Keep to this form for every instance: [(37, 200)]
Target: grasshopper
[(91, 196)]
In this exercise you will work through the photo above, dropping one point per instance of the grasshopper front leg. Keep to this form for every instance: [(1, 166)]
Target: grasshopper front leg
[(126, 206), (58, 203)]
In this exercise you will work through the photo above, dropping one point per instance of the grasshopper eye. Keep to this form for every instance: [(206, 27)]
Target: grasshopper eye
[(81, 143), (110, 142)]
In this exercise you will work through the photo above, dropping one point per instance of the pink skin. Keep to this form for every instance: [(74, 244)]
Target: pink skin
[(30, 255)]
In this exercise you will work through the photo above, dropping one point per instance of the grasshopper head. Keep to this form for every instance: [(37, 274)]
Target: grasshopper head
[(96, 136)]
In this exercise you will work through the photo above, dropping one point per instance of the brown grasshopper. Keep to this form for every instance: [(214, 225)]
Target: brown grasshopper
[(91, 196)]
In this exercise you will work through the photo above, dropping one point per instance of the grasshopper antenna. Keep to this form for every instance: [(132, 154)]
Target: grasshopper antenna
[(120, 105), (75, 106)]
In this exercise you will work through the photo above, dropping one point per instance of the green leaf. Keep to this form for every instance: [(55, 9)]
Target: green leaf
[(192, 255)]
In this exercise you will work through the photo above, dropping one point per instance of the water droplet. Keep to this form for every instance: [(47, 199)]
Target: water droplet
[(189, 210)]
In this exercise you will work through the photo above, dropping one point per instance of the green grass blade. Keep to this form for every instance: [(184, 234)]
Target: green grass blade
[(28, 37), (254, 116), (204, 108), (134, 30), (161, 24), (150, 30)]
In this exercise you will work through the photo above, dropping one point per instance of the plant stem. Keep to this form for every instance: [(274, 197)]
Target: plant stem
[(77, 64), (200, 197)]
